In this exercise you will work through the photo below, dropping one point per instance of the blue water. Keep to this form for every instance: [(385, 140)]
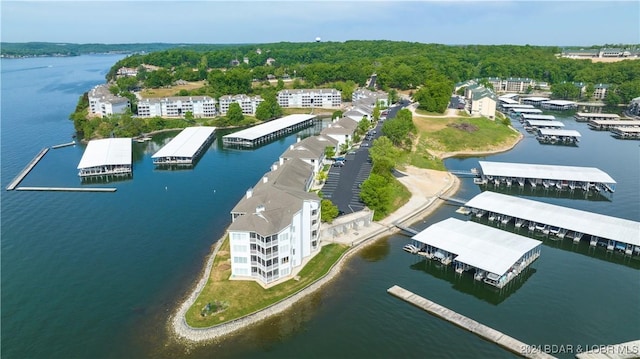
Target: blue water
[(96, 275)]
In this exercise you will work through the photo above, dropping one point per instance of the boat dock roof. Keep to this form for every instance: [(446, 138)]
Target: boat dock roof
[(618, 229), (597, 115), (536, 116), (186, 143), (507, 100), (106, 152), (266, 128), (545, 123), (526, 110), (558, 132), (528, 170), (477, 245), (516, 105), (616, 123)]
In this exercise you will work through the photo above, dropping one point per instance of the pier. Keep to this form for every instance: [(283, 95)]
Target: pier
[(479, 329), (456, 200), (67, 189), (406, 229), (16, 181), (268, 131), (628, 350), (612, 233), (72, 143)]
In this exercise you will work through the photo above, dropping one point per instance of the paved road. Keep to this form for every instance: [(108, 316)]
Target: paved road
[(343, 184)]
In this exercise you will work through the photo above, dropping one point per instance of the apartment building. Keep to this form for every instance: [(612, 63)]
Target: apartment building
[(177, 106), (248, 104), (325, 98), (103, 103)]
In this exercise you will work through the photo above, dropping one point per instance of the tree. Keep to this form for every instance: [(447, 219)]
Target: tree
[(336, 114), (344, 147), (393, 96), (565, 90), (383, 154), (376, 114), (328, 211), (234, 114), (329, 152), (375, 192), (280, 85), (268, 109)]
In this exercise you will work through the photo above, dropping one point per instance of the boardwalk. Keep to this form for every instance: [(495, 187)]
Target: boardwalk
[(16, 181)]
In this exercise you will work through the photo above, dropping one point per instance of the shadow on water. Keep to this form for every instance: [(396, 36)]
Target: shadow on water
[(566, 244), (105, 179), (465, 282), (578, 194)]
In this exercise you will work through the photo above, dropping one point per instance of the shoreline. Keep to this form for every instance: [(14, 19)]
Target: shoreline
[(419, 207)]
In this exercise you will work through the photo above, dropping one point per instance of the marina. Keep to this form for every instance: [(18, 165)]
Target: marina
[(558, 136), (616, 234), (268, 131), (185, 148), (106, 157), (25, 171), (547, 176), (466, 323), (586, 116), (492, 255)]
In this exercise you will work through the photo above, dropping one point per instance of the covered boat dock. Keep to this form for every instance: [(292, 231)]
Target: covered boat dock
[(536, 101), (106, 157), (520, 110), (586, 116), (268, 131), (601, 230), (626, 133), (558, 136), (607, 125), (547, 176), (532, 125), (495, 256), (185, 148), (559, 105), (536, 116)]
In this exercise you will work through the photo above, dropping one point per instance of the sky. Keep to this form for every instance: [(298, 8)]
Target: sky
[(559, 23)]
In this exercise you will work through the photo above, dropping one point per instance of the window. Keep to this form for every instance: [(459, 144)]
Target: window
[(239, 248), (285, 260), (240, 260)]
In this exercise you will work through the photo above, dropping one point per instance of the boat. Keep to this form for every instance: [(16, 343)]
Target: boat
[(410, 248)]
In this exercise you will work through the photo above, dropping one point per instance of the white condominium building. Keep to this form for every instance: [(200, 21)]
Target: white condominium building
[(178, 106), (276, 225), (248, 104), (104, 103), (326, 98)]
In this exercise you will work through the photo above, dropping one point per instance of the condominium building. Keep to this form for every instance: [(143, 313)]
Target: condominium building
[(177, 106), (600, 91), (311, 150), (326, 98), (103, 103), (275, 226), (341, 130), (482, 101), (370, 98), (248, 104)]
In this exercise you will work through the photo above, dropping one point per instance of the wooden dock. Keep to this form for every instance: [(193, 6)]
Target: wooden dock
[(469, 324), (16, 181), (626, 350), (68, 189)]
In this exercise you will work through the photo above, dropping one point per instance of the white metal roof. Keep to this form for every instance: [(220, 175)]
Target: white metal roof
[(269, 127), (536, 116), (107, 151), (528, 170), (558, 132), (627, 129), (618, 229), (477, 245), (186, 143), (597, 115), (545, 123), (516, 105), (526, 110), (617, 122), (509, 95), (560, 102), (534, 98), (507, 100)]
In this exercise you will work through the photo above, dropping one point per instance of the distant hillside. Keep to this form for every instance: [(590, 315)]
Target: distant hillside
[(33, 49)]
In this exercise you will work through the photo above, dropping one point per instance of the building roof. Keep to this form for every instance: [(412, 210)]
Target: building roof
[(536, 116), (560, 102), (310, 147), (477, 245), (597, 115), (618, 229), (529, 170), (526, 110), (558, 132), (108, 151), (507, 100), (266, 128), (516, 105), (534, 98), (186, 143), (179, 98), (545, 123)]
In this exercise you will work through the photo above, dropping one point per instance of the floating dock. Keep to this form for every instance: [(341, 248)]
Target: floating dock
[(67, 189), (586, 116), (494, 256), (109, 156), (479, 329), (547, 176), (16, 181), (72, 143), (558, 136), (611, 232), (268, 131), (185, 148)]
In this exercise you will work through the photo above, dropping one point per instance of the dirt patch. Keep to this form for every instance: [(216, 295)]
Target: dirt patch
[(224, 266), (463, 126), (171, 90)]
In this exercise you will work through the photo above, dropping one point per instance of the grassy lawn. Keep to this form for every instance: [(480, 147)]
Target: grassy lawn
[(400, 195), (170, 91), (428, 113), (245, 296)]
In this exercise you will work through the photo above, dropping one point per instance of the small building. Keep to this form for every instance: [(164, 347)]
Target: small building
[(600, 91), (106, 157), (370, 98), (310, 150), (483, 102), (495, 256), (341, 130)]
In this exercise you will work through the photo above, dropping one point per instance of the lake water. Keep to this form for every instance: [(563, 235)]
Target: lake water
[(96, 275)]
